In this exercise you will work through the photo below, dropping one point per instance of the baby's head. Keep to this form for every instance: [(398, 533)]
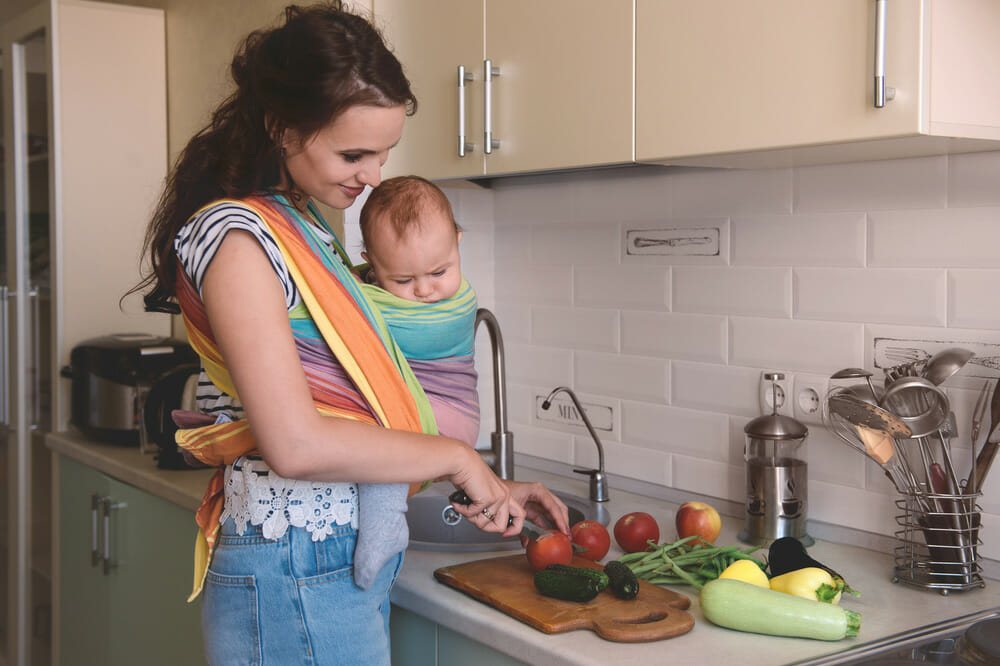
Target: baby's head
[(411, 240)]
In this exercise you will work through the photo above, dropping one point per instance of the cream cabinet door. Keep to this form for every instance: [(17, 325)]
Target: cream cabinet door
[(432, 38), (729, 75), (564, 95), (794, 80)]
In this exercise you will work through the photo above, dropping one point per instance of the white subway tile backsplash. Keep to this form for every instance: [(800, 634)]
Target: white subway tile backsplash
[(894, 296), (533, 200), (511, 243), (690, 431), (634, 377), (951, 237), (816, 239), (816, 269), (974, 179), (575, 245), (542, 284), (887, 184), (794, 345), (530, 364), (631, 287), (731, 192), (575, 328), (973, 296), (687, 336), (853, 508), (707, 477), (543, 443), (514, 320), (833, 461), (634, 462), (764, 292), (637, 193), (715, 388)]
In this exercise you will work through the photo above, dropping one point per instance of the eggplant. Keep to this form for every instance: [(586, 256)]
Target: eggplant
[(788, 554)]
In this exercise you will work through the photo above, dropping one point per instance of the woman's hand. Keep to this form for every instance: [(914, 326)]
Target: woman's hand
[(492, 500), (540, 505)]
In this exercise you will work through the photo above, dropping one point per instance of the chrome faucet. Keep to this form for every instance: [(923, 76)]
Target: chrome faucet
[(598, 479), (501, 454)]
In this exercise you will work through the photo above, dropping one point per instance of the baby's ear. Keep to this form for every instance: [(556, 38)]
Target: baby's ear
[(364, 255), (459, 237)]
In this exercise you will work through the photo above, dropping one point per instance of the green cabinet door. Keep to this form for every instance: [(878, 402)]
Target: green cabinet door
[(134, 611), (84, 606)]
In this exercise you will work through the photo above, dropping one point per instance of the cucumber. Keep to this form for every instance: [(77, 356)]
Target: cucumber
[(599, 576), (737, 605), (566, 586), (621, 580)]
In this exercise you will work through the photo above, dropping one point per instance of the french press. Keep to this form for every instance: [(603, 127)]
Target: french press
[(776, 478)]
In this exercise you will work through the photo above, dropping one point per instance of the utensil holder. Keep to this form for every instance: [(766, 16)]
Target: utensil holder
[(938, 541)]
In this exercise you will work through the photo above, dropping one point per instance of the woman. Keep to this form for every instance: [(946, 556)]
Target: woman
[(302, 394)]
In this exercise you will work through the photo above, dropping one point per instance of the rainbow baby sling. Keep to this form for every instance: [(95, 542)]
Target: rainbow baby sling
[(353, 365)]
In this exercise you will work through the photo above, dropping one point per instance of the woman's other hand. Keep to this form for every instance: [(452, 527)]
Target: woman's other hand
[(540, 505)]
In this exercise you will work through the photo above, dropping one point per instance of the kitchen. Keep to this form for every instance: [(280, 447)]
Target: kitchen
[(673, 347)]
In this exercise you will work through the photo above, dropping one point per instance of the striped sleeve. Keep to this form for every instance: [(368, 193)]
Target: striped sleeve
[(198, 241)]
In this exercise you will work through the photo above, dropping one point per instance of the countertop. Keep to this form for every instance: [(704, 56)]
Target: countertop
[(887, 608)]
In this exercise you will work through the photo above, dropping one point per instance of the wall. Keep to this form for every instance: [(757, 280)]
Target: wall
[(816, 269)]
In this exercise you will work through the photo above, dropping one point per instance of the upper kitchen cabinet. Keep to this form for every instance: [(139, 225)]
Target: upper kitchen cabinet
[(735, 83), (546, 85)]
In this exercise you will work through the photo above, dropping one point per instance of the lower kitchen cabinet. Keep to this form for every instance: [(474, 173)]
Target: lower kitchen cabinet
[(417, 641), (124, 565)]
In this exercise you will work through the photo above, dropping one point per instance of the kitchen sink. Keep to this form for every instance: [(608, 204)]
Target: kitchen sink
[(435, 525)]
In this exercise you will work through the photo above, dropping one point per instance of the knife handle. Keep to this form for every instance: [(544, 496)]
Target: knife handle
[(461, 497)]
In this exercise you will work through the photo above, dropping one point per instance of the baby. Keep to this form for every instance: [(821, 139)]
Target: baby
[(414, 277)]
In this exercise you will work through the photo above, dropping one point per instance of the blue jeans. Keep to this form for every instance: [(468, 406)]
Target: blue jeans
[(293, 601)]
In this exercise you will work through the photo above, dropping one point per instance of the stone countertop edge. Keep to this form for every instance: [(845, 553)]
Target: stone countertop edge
[(887, 608)]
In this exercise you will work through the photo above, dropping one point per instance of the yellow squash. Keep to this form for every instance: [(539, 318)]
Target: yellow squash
[(809, 583)]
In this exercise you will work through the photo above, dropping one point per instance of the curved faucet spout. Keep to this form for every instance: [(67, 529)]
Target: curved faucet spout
[(598, 479), (501, 455)]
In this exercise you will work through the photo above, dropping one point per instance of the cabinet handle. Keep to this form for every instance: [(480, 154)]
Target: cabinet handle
[(107, 556), (95, 505), (463, 78), (489, 73), (36, 343), (882, 93), (4, 357)]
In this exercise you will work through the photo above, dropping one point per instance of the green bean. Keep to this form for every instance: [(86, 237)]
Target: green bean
[(688, 561)]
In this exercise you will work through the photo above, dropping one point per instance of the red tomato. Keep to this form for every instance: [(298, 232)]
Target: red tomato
[(550, 548), (633, 530), (594, 537)]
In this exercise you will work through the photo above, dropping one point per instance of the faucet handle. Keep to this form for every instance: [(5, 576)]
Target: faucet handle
[(588, 472)]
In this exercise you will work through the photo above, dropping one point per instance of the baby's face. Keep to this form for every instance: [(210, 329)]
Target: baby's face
[(422, 266)]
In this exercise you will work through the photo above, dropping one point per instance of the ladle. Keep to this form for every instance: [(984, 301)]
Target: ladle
[(854, 373), (946, 363)]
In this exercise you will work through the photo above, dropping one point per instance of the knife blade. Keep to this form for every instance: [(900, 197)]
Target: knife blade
[(529, 530)]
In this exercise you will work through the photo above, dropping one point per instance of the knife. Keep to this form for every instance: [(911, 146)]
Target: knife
[(529, 530)]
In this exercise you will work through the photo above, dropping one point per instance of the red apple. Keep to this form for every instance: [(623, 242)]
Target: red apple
[(698, 519)]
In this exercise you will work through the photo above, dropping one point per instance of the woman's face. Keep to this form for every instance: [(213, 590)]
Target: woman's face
[(336, 164)]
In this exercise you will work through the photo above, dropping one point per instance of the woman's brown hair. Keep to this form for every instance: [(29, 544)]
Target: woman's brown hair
[(301, 75)]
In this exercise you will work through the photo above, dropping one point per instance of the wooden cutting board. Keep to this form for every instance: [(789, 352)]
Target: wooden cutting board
[(507, 583)]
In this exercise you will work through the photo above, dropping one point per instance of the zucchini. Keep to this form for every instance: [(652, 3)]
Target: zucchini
[(621, 580), (565, 586), (599, 576), (737, 605)]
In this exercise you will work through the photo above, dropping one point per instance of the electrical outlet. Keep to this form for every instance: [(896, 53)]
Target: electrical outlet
[(808, 394), (780, 389)]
